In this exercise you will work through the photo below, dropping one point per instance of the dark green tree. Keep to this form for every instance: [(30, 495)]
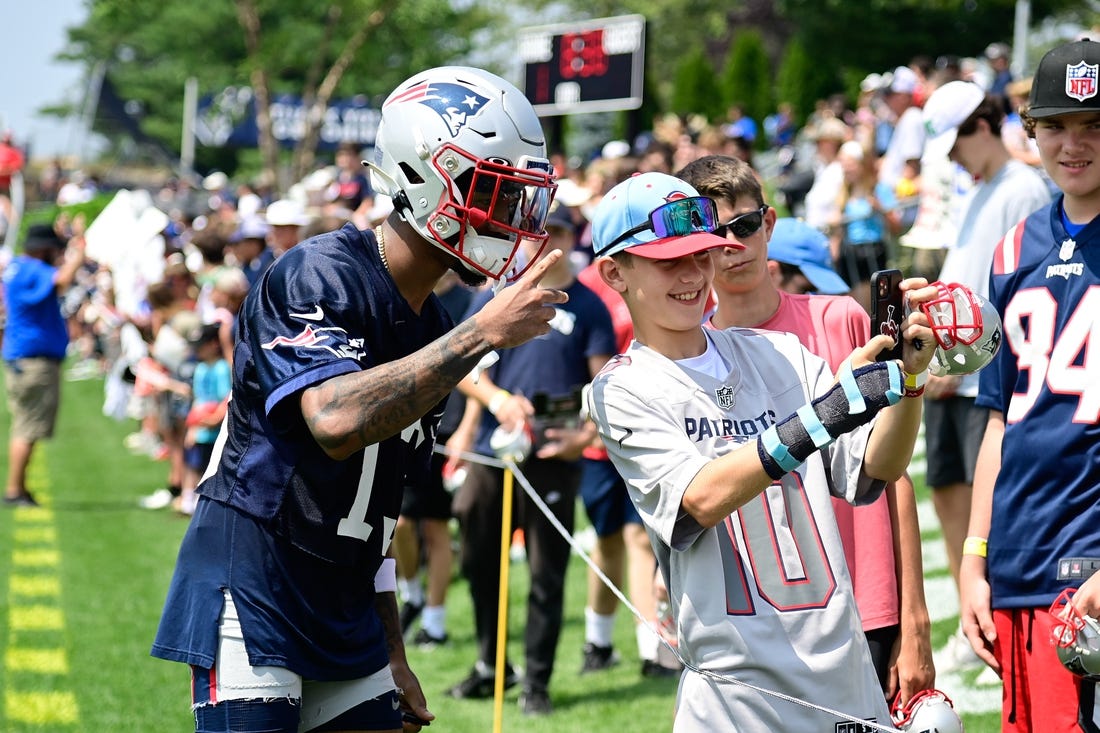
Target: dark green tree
[(695, 89), (748, 78), (318, 51)]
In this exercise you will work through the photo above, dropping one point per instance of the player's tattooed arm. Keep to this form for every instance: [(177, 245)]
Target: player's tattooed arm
[(386, 606), (349, 412)]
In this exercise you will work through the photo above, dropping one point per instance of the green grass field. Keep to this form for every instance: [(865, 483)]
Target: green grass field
[(82, 582)]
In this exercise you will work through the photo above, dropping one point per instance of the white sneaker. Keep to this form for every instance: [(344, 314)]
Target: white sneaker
[(188, 502), (157, 500), (957, 655)]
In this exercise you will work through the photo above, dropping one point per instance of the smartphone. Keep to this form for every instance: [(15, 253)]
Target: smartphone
[(887, 310), (410, 717)]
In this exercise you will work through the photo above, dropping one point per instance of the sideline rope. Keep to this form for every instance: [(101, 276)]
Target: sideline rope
[(510, 468)]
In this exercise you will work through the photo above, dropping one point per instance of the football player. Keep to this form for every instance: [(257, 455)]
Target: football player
[(282, 601)]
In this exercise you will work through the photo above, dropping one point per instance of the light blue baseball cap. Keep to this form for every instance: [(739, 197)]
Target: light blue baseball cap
[(656, 216), (797, 243)]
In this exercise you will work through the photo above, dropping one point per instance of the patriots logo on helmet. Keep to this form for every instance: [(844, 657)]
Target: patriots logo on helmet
[(455, 103)]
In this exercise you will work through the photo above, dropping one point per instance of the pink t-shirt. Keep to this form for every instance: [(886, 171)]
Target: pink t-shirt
[(831, 326)]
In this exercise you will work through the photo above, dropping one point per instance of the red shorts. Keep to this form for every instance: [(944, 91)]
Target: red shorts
[(1039, 694)]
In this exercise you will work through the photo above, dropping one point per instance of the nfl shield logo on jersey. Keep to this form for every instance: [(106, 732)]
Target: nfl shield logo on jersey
[(1081, 81), (725, 396)]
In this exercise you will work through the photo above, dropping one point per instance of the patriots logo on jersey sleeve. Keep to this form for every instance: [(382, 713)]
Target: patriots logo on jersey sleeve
[(307, 338), (455, 103), (317, 338)]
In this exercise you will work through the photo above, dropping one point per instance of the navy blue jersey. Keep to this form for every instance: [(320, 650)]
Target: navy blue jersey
[(1046, 382), (314, 530), (553, 367)]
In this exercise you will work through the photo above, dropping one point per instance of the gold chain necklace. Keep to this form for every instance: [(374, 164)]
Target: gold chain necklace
[(380, 237)]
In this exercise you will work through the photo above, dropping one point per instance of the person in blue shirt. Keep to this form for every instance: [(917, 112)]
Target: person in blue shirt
[(283, 601), (35, 339)]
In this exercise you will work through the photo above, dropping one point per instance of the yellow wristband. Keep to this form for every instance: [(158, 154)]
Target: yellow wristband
[(914, 383), (498, 400), (975, 546)]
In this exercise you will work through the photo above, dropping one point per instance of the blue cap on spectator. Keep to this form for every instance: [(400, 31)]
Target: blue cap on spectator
[(622, 221), (797, 243)]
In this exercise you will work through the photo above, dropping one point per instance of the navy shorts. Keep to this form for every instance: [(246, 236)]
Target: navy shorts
[(605, 498), (197, 457), (428, 500), (953, 431)]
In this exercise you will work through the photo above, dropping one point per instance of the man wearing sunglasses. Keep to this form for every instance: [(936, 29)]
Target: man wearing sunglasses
[(731, 443), (889, 594)]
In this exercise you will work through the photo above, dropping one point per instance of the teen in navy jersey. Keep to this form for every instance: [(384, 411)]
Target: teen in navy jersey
[(282, 601), (1037, 482)]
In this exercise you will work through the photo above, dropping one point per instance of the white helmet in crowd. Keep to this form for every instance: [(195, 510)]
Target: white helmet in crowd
[(929, 711), (462, 154), (967, 330), (1076, 637)]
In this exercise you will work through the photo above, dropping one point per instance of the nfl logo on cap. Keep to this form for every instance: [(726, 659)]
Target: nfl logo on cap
[(1081, 81)]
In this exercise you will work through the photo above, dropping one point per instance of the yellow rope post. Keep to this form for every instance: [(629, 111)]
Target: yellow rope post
[(502, 603)]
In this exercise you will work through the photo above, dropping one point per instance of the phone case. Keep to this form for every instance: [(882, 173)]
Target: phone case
[(887, 310)]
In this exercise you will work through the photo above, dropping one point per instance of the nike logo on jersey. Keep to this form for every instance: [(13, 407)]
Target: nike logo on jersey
[(317, 315)]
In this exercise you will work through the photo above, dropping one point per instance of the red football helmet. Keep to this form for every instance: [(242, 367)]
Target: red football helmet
[(929, 711), (1076, 637), (966, 327)]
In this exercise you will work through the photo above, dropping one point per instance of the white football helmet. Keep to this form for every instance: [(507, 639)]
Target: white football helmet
[(966, 327), (1076, 637), (462, 154), (929, 711)]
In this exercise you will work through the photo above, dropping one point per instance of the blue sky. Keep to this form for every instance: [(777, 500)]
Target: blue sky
[(34, 32)]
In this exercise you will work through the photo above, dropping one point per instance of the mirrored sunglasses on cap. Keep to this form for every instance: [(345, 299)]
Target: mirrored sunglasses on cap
[(743, 225), (678, 218)]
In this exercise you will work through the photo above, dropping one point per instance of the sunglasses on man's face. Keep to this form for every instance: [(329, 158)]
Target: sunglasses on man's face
[(743, 225)]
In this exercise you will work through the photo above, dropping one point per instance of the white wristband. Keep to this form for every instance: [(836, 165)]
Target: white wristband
[(385, 580), (497, 401)]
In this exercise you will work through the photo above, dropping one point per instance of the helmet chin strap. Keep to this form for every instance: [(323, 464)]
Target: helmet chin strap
[(400, 199)]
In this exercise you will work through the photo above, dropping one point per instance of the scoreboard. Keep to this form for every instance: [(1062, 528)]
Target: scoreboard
[(584, 66)]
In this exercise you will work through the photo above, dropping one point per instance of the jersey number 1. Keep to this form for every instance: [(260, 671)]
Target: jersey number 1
[(355, 524)]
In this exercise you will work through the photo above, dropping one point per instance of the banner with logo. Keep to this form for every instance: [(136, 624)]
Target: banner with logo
[(228, 119)]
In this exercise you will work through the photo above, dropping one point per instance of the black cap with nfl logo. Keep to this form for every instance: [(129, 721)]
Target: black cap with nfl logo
[(1067, 81)]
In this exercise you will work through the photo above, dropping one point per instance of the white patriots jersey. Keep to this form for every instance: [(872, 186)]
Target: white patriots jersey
[(765, 596)]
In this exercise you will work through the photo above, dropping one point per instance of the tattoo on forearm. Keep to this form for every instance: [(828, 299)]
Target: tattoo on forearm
[(386, 606)]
